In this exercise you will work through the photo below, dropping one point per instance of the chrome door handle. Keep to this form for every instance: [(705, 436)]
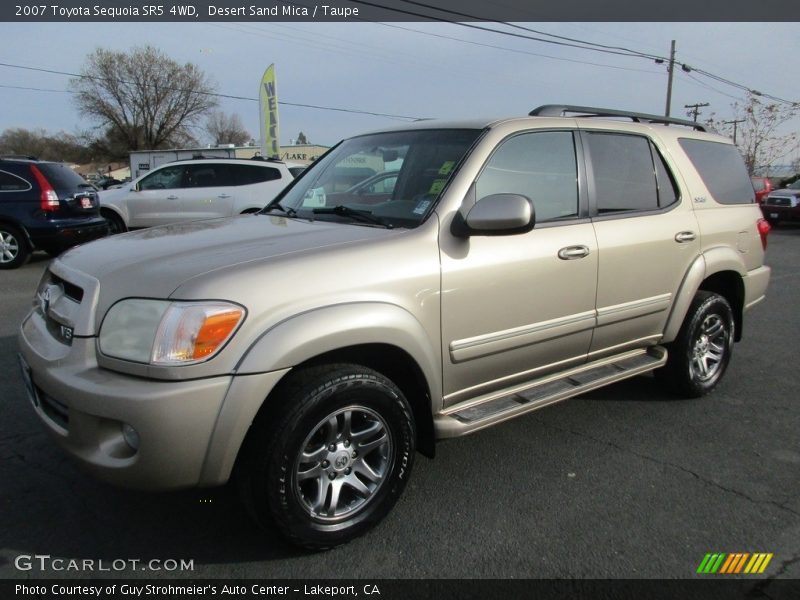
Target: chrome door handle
[(573, 252), (685, 236), (172, 197), (223, 196)]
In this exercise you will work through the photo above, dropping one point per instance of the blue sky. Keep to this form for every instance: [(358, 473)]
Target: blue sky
[(400, 68)]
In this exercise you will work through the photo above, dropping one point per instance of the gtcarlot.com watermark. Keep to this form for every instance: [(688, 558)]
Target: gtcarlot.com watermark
[(46, 562)]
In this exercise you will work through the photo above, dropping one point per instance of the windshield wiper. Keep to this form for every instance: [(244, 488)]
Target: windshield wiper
[(288, 210), (359, 215)]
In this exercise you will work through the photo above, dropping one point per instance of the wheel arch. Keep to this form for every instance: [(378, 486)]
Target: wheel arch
[(116, 211), (720, 271), (380, 336)]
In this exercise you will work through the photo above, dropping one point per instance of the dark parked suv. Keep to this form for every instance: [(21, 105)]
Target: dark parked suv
[(44, 206)]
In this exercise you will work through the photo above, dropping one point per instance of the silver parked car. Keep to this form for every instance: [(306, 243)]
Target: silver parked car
[(195, 189), (308, 352)]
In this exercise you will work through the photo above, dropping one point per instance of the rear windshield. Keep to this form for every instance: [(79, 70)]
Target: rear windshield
[(722, 170), (62, 178)]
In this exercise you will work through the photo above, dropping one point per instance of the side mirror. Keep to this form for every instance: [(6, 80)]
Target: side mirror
[(498, 214)]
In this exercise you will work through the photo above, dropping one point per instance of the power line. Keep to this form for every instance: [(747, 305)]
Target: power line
[(214, 94), (515, 50), (19, 87), (619, 50), (500, 32), (539, 32)]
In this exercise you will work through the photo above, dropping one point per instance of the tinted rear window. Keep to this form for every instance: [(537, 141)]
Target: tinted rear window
[(61, 177), (722, 170)]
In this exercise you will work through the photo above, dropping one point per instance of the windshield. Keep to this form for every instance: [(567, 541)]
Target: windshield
[(795, 185), (394, 179)]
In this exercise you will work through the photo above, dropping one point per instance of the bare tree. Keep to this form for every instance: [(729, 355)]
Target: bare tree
[(226, 129), (142, 99), (61, 146), (761, 134)]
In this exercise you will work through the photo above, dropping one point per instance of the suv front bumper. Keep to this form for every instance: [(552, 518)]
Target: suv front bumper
[(187, 434)]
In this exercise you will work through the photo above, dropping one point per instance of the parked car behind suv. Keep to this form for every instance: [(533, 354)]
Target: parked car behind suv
[(309, 351), (783, 205), (44, 206), (762, 187), (194, 189)]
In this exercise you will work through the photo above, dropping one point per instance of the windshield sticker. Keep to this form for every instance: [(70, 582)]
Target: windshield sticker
[(437, 186), (447, 167), (422, 206)]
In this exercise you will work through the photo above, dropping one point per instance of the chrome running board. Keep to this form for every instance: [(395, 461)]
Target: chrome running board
[(496, 407)]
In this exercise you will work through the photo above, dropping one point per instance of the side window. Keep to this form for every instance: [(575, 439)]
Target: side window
[(247, 174), (12, 183), (167, 178), (722, 169), (206, 175), (667, 190), (539, 165), (624, 175)]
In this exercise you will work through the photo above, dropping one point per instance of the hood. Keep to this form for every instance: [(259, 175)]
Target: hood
[(154, 262)]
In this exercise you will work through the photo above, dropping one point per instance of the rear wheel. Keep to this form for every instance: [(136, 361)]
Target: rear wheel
[(14, 249), (333, 459), (700, 354), (115, 222)]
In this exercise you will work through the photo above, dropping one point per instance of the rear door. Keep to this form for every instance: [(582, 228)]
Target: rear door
[(208, 192), (647, 237)]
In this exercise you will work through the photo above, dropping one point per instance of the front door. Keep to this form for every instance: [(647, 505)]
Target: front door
[(515, 307)]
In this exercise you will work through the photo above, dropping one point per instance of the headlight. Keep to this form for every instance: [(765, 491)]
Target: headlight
[(160, 332)]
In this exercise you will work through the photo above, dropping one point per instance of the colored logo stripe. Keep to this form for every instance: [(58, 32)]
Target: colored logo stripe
[(734, 563)]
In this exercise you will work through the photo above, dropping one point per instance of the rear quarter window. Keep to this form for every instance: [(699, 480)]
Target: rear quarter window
[(249, 174), (722, 170)]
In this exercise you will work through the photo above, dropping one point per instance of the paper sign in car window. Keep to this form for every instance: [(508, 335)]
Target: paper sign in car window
[(447, 167), (437, 186), (421, 207)]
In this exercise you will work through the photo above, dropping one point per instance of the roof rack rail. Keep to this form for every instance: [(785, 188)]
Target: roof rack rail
[(560, 110), (19, 157)]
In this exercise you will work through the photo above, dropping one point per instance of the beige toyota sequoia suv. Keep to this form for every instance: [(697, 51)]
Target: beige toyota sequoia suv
[(308, 351)]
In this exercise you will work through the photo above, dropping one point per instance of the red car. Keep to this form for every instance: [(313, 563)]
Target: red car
[(762, 186)]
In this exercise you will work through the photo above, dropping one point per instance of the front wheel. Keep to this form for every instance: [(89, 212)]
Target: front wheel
[(333, 459), (700, 354)]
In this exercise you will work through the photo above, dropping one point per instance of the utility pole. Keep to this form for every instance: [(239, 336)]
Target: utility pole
[(696, 108), (670, 70), (735, 123)]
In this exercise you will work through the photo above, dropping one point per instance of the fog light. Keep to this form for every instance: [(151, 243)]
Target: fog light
[(131, 436)]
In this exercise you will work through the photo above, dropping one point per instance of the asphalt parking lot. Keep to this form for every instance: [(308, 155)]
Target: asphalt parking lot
[(624, 482)]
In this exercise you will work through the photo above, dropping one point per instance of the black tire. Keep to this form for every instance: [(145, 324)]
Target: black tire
[(14, 248), (334, 429), (115, 223), (700, 354)]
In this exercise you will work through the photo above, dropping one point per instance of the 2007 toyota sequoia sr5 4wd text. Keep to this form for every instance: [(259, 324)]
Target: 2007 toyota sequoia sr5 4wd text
[(309, 351)]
